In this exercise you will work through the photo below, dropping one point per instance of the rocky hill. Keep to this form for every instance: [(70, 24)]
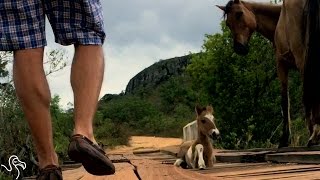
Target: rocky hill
[(158, 73)]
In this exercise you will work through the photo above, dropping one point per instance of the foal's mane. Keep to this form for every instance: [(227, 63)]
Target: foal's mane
[(267, 9)]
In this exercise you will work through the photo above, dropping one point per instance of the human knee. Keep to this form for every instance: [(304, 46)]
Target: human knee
[(89, 56)]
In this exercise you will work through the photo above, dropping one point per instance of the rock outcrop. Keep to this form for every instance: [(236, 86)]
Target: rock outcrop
[(158, 73)]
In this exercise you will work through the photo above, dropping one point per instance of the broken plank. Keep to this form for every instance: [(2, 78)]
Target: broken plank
[(309, 157)]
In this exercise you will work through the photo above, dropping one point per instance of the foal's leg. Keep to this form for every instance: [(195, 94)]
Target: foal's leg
[(285, 104), (178, 162), (211, 160), (190, 158), (199, 154)]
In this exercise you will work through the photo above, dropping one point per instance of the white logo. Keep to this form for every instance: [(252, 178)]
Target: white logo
[(14, 161)]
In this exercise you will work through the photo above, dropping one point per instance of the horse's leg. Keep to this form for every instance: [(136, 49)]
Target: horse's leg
[(199, 154), (314, 136), (211, 160), (310, 125), (285, 104), (178, 162), (314, 127), (190, 158)]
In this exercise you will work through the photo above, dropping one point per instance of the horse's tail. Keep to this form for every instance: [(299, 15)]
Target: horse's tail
[(311, 77)]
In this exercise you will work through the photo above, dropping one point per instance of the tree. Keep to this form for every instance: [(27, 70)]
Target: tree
[(244, 90)]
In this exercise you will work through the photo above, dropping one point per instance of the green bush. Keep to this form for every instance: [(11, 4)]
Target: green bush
[(111, 134), (300, 135), (62, 122), (5, 176)]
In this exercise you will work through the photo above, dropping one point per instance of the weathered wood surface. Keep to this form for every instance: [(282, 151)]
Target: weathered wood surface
[(157, 165), (254, 171), (284, 149), (289, 154), (242, 157), (264, 171), (123, 171), (292, 155), (190, 131), (307, 157)]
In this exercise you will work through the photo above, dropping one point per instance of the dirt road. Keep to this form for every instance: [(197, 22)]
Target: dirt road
[(145, 142)]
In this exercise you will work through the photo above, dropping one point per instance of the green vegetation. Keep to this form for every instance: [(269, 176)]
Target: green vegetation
[(162, 111), (244, 92)]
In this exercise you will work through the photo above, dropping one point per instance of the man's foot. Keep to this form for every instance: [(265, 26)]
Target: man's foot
[(50, 172), (92, 157)]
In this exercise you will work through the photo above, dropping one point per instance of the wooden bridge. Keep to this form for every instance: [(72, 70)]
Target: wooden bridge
[(157, 164), (152, 159)]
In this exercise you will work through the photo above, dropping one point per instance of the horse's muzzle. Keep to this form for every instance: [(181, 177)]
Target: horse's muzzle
[(241, 49), (215, 135)]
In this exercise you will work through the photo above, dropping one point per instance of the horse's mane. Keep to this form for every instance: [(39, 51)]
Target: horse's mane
[(228, 8), (265, 8)]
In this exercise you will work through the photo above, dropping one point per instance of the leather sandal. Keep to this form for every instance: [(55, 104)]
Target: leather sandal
[(92, 156), (50, 172)]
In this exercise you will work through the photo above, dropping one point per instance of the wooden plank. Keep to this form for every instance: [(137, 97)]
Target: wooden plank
[(242, 157), (154, 170), (171, 150), (123, 171), (218, 167), (118, 158), (146, 151), (247, 150), (262, 170), (310, 157), (273, 173), (298, 149), (284, 149), (292, 176)]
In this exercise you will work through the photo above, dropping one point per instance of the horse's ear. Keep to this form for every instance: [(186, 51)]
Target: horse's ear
[(236, 1), (210, 109), (223, 8), (199, 109)]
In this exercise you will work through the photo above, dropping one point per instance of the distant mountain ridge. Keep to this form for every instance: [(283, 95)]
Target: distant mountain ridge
[(158, 73)]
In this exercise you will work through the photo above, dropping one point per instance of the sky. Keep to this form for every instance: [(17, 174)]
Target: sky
[(140, 33)]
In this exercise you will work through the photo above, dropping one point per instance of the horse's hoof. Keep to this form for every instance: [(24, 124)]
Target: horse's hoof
[(202, 167)]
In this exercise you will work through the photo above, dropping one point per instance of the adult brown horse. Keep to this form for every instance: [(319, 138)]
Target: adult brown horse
[(294, 29)]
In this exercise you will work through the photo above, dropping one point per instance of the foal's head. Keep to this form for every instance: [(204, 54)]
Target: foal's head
[(205, 121), (242, 24)]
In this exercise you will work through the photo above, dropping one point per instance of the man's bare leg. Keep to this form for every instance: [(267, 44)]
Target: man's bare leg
[(33, 92), (86, 79)]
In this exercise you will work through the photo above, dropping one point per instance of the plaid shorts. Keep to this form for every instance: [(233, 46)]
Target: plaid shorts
[(22, 23)]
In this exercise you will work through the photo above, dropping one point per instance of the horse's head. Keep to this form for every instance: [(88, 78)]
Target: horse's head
[(205, 121), (242, 24)]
